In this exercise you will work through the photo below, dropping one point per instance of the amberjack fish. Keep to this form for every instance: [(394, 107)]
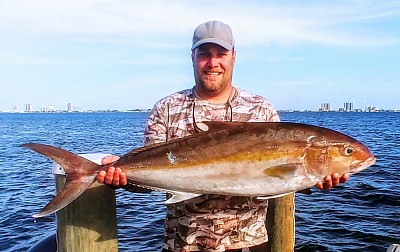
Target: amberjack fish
[(229, 158)]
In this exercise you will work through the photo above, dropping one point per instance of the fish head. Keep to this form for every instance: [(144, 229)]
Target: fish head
[(334, 152)]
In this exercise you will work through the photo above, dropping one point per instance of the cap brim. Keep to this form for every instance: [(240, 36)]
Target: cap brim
[(216, 41)]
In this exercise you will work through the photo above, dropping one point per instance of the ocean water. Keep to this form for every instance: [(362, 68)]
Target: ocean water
[(360, 215)]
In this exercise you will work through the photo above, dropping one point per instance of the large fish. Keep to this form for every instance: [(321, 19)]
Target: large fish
[(230, 158)]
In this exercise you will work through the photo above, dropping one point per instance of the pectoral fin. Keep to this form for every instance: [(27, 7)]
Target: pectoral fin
[(180, 196), (282, 171)]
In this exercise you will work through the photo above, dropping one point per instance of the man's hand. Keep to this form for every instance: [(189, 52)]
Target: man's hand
[(113, 177), (332, 181)]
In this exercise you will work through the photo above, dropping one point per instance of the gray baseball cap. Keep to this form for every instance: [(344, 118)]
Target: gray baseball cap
[(214, 32)]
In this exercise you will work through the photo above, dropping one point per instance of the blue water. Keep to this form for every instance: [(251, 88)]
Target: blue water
[(361, 215)]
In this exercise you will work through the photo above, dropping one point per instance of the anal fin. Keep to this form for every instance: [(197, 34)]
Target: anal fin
[(272, 196), (180, 196)]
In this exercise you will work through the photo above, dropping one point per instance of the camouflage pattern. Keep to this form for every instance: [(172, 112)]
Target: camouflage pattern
[(210, 222)]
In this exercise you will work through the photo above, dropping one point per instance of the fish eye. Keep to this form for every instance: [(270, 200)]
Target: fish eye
[(347, 151)]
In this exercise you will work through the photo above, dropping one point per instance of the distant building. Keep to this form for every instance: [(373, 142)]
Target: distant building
[(50, 108), (69, 107), (371, 109), (348, 106), (28, 108), (325, 107)]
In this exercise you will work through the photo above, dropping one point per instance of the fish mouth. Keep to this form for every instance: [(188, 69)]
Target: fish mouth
[(359, 166)]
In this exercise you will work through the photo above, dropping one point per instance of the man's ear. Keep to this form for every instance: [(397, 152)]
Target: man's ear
[(193, 52)]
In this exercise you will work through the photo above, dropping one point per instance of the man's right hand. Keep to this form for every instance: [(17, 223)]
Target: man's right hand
[(113, 177)]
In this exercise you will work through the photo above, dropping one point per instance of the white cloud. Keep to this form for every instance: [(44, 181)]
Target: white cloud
[(253, 22)]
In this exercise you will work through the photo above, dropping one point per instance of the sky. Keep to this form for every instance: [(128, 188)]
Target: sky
[(121, 54)]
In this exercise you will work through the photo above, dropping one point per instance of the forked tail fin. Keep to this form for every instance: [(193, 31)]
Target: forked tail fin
[(80, 174)]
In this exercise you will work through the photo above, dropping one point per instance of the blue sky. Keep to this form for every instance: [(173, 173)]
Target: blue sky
[(120, 54)]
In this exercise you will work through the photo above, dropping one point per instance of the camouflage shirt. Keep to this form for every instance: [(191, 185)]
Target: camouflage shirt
[(210, 222)]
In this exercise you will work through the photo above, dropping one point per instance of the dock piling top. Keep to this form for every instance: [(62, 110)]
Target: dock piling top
[(89, 223)]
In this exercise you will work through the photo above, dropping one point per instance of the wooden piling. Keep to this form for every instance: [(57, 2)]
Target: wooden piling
[(89, 223), (281, 223)]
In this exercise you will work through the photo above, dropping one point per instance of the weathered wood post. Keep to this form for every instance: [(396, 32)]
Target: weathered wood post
[(89, 223), (281, 223)]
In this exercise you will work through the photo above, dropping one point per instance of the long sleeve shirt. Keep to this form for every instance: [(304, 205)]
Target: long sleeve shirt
[(210, 222)]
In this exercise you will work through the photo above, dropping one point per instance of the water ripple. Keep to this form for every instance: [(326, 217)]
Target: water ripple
[(361, 215)]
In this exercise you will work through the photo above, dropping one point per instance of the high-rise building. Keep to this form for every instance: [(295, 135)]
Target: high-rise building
[(28, 107), (69, 107), (348, 106), (325, 107)]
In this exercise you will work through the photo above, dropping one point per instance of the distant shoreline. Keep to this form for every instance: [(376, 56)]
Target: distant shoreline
[(72, 112), (149, 110)]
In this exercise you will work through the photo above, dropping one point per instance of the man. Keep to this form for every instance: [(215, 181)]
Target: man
[(210, 222)]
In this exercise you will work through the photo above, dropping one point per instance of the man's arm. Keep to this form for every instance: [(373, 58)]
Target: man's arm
[(156, 129)]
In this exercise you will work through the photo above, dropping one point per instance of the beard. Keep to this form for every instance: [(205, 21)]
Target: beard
[(212, 83)]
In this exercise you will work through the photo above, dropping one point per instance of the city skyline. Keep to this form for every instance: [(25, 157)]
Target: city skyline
[(324, 107), (122, 55)]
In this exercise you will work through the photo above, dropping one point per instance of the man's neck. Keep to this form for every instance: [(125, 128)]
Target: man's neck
[(217, 97)]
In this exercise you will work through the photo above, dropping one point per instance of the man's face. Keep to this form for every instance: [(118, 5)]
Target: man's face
[(213, 67)]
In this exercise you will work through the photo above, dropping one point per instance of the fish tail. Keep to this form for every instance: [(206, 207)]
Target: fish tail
[(80, 174)]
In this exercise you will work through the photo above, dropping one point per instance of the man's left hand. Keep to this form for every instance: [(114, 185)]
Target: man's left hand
[(332, 181)]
